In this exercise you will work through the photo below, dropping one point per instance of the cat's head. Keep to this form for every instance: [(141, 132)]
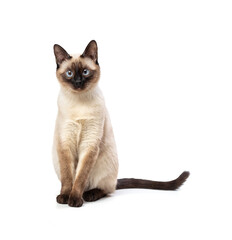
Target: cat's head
[(78, 73)]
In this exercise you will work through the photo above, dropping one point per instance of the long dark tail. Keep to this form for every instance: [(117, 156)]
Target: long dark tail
[(148, 184)]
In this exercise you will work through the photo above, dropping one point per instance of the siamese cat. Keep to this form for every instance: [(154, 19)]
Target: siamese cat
[(84, 150)]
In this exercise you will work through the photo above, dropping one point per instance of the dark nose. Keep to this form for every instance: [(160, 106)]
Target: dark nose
[(77, 82)]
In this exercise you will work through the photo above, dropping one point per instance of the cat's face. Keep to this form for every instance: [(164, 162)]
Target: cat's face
[(78, 73)]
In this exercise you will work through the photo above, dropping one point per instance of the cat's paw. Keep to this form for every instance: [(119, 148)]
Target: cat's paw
[(93, 195), (74, 201), (62, 198)]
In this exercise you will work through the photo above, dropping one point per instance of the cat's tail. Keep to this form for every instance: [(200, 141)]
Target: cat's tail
[(148, 184)]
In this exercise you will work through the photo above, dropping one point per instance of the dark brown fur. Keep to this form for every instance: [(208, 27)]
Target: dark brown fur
[(93, 195), (148, 184), (61, 55), (91, 51), (77, 68)]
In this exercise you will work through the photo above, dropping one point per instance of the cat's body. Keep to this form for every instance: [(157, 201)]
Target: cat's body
[(84, 149), (75, 116)]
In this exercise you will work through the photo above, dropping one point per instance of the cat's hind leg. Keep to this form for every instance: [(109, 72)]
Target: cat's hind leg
[(93, 195)]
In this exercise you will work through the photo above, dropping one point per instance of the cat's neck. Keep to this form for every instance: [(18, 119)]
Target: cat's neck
[(90, 96)]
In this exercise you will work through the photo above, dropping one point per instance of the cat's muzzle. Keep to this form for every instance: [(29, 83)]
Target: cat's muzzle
[(78, 83)]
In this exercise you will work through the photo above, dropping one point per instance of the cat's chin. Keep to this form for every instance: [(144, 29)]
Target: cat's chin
[(79, 89)]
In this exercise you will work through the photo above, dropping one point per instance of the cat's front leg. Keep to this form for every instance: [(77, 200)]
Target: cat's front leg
[(85, 164), (66, 160)]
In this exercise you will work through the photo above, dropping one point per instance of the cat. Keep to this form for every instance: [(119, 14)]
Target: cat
[(84, 150)]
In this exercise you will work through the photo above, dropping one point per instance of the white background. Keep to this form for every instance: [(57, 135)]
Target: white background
[(167, 81)]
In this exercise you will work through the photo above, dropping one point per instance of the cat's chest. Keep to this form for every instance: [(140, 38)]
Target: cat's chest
[(73, 118), (80, 123), (77, 111)]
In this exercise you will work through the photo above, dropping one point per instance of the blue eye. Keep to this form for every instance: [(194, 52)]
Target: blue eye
[(69, 74), (85, 72)]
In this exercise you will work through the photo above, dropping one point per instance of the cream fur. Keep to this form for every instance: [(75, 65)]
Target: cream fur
[(75, 57), (83, 122)]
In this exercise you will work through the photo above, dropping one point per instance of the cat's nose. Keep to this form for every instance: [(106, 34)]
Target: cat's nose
[(77, 83)]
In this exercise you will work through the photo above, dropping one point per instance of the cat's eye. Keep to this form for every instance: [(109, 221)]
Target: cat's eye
[(69, 74), (85, 72)]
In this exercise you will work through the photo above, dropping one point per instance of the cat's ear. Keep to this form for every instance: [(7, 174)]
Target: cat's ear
[(91, 51), (60, 54)]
